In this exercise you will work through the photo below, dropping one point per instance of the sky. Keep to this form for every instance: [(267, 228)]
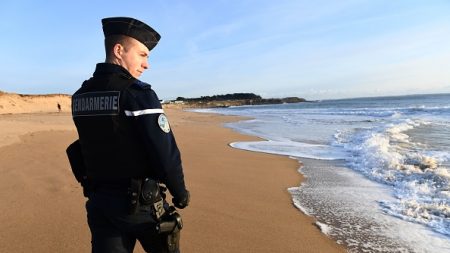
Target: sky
[(321, 49)]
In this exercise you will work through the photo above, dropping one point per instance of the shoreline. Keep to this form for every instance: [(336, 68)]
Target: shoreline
[(372, 185), (267, 178), (240, 200)]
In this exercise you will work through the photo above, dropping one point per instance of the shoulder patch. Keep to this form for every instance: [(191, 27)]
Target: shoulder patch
[(163, 123)]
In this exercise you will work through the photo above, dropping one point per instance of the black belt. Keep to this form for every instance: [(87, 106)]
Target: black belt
[(118, 186), (144, 194)]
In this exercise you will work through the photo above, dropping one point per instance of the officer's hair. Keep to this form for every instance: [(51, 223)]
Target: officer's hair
[(112, 40)]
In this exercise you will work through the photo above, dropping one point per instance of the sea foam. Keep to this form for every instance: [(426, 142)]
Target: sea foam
[(400, 144)]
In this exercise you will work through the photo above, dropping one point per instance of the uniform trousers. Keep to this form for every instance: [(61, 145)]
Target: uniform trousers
[(115, 230)]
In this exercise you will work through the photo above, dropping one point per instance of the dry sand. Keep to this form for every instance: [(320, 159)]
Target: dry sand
[(239, 202)]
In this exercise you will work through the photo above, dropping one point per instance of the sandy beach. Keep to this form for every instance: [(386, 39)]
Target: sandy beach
[(240, 201)]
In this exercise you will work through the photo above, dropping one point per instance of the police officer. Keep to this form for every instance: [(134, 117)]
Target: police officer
[(126, 147)]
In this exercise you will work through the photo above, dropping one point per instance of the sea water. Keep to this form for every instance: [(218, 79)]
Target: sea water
[(377, 169)]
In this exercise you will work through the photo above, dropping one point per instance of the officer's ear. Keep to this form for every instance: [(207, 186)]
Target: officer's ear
[(118, 51)]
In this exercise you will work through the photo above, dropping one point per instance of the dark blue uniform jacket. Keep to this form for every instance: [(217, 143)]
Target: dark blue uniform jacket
[(123, 131)]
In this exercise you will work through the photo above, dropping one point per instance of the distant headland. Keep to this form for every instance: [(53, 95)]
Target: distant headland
[(235, 99)]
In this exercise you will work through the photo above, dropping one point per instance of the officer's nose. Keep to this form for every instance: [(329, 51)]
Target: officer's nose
[(145, 65)]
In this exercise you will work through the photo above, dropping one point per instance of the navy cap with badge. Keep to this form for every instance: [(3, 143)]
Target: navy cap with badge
[(133, 28)]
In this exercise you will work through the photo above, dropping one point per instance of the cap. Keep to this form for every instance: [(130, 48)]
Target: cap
[(133, 28)]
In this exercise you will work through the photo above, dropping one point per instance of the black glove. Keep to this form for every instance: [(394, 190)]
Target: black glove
[(183, 202)]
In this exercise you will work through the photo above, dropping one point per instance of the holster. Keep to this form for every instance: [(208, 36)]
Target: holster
[(171, 224), (151, 196), (147, 194), (173, 241)]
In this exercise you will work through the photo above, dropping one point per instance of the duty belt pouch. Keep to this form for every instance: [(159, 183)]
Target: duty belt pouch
[(75, 156), (151, 196), (134, 192)]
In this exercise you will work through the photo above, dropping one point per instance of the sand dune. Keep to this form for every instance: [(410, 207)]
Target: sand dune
[(20, 103)]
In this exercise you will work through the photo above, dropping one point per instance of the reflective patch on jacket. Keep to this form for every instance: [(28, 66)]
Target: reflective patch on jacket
[(96, 103)]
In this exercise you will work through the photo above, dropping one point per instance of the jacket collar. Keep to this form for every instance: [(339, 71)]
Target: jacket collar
[(109, 68)]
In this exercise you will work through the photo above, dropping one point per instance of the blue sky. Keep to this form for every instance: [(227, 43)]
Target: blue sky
[(312, 49)]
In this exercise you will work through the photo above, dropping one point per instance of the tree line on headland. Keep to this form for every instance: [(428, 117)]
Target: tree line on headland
[(235, 99)]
